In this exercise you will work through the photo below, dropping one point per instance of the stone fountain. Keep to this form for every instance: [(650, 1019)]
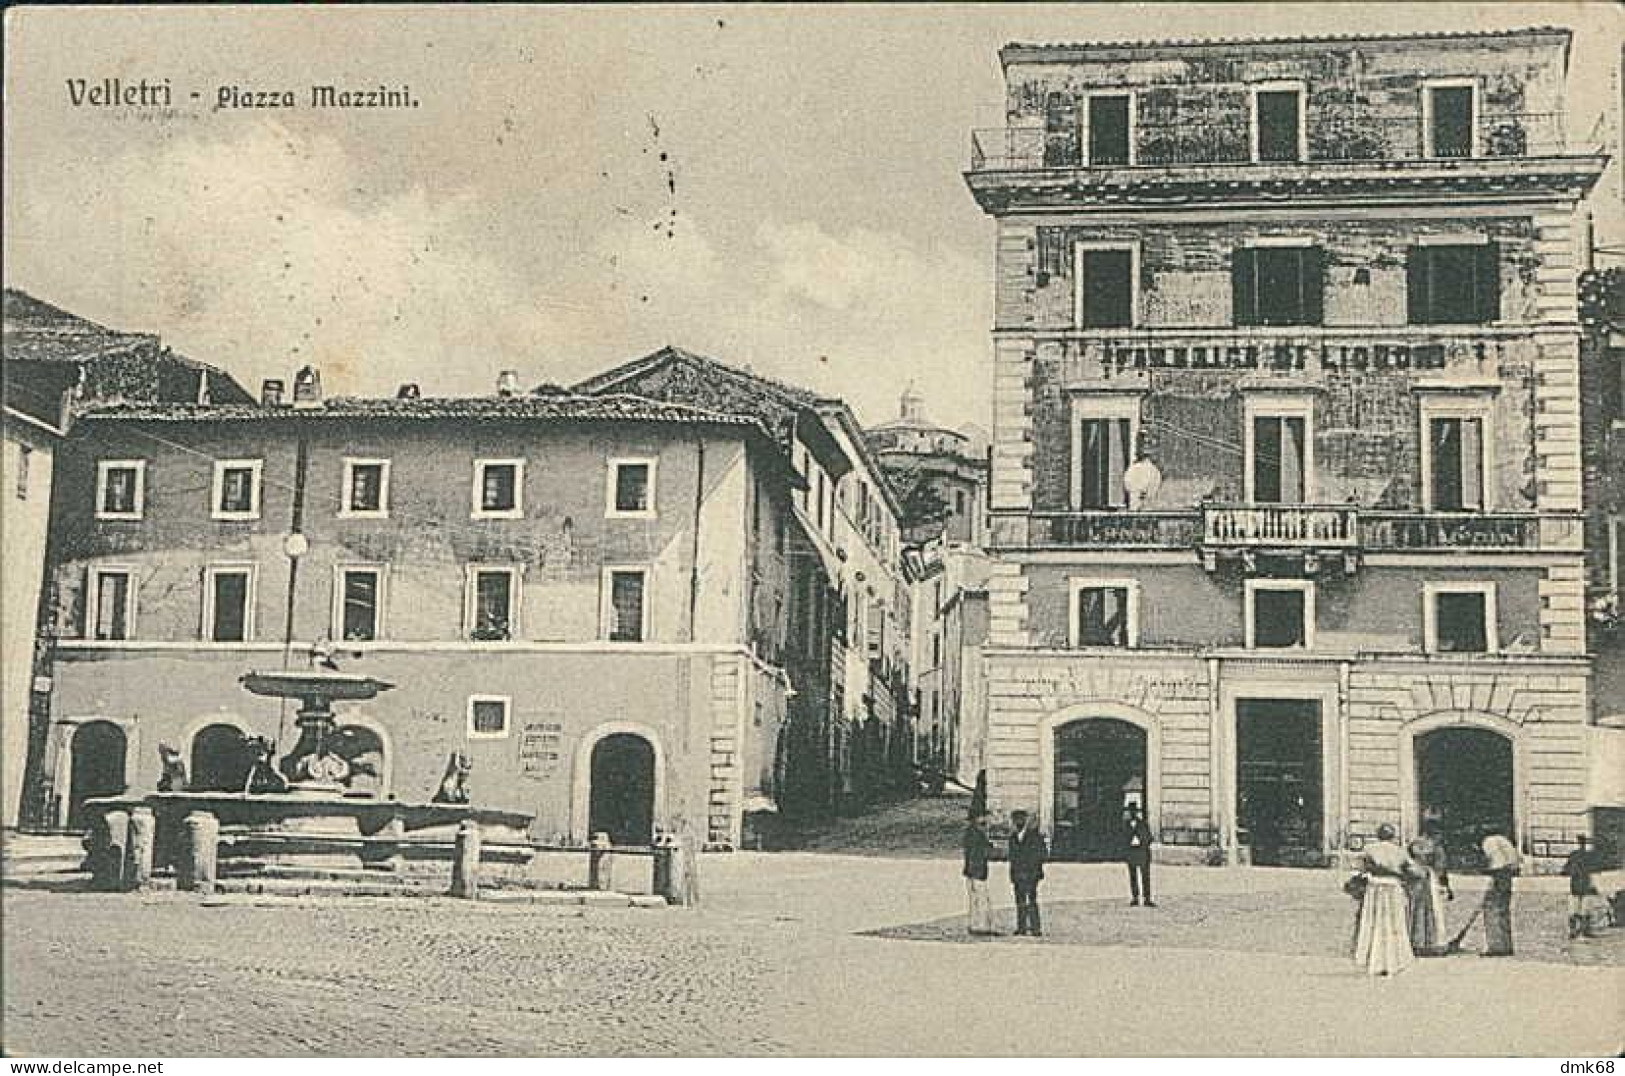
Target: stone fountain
[(301, 818)]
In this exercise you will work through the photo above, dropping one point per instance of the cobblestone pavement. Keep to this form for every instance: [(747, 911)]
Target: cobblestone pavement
[(783, 958)]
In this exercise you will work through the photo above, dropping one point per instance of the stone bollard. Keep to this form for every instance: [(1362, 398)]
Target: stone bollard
[(107, 858), (688, 872), (665, 862), (465, 864), (196, 869), (143, 837), (600, 863)]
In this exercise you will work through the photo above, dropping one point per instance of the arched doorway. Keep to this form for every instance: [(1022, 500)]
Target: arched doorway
[(220, 760), (98, 751), (622, 797), (1100, 764), (1464, 787)]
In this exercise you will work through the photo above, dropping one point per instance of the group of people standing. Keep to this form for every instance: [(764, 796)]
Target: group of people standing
[(1403, 892), (1027, 854)]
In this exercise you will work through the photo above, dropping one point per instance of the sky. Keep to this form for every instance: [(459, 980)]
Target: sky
[(777, 187)]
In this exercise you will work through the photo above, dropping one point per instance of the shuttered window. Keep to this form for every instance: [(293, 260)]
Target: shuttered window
[(1106, 289), (1108, 129), (1278, 285), (1453, 285)]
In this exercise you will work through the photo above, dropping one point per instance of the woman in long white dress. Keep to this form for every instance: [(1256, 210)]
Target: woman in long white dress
[(1382, 940)]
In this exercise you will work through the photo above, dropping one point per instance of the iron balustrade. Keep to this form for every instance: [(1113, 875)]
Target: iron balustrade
[(1333, 136), (1309, 526), (1381, 531)]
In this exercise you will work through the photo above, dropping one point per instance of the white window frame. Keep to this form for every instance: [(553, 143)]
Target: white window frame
[(1470, 405), (250, 599), (1075, 585), (348, 487), (1133, 105), (1430, 614), (1085, 246), (93, 591), (1306, 587), (606, 603), (614, 474), (1273, 406), (102, 469), (516, 579), (1428, 86), (507, 717), (382, 602), (1109, 406), (1255, 129), (255, 468), (478, 493)]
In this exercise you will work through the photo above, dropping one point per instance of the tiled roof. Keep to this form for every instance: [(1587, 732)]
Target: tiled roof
[(669, 355), (1028, 49), (553, 407)]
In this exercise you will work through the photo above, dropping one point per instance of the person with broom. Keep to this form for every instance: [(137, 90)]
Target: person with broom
[(1501, 862)]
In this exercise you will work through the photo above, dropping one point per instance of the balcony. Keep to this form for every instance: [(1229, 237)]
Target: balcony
[(1217, 530), (1280, 526), (1424, 532), (1335, 138)]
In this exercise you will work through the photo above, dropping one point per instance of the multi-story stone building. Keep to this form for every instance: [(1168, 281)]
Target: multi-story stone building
[(590, 596), (53, 359), (1286, 480), (849, 517)]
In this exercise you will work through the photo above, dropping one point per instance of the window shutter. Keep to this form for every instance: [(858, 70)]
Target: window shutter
[(1416, 286), (1312, 274), (1244, 286), (1487, 282)]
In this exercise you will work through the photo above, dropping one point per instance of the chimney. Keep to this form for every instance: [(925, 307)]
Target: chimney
[(307, 387), (508, 383), (271, 392), (408, 391)]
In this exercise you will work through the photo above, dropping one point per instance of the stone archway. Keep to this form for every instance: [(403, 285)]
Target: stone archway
[(218, 760), (621, 800), (1100, 766), (1121, 713), (651, 766), (1466, 772), (99, 757)]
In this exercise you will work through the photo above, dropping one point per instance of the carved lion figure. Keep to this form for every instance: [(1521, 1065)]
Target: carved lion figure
[(173, 778)]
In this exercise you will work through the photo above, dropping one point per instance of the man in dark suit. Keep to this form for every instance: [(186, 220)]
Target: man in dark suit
[(1137, 854), (1028, 853)]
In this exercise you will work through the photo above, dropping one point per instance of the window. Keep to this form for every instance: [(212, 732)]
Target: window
[(1110, 120), (1459, 618), (1106, 286), (624, 610), (120, 489), (499, 489), (1103, 448), (488, 716), (492, 611), (228, 604), (1278, 284), (632, 488), (366, 489), (1448, 119), (359, 603), (1280, 613), (1104, 612), (1455, 454), (1456, 284), (236, 489), (110, 604), (1280, 451), (1278, 130), (25, 457)]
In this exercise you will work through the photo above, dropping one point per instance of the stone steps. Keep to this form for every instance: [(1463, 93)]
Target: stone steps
[(32, 855)]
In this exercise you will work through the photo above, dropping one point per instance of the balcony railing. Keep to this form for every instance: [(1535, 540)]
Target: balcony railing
[(1381, 531), (1332, 137), (1115, 530), (1290, 526), (1273, 526)]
